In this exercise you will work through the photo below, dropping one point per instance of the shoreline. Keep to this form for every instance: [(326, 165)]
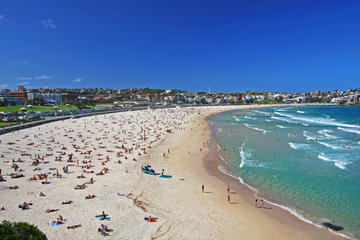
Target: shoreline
[(285, 214)]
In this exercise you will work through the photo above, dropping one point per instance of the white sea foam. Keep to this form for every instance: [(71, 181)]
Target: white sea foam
[(349, 130), (283, 119), (283, 109), (261, 112), (255, 128), (335, 147), (248, 117), (244, 155), (300, 146), (279, 126), (268, 120), (318, 120), (236, 119), (338, 163), (325, 132), (300, 111), (311, 137)]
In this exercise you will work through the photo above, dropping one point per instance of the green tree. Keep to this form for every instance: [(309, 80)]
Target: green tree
[(4, 102), (20, 231)]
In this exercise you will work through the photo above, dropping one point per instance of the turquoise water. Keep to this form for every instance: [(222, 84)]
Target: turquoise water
[(305, 158)]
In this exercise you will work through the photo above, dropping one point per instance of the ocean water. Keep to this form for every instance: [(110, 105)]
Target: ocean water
[(304, 158)]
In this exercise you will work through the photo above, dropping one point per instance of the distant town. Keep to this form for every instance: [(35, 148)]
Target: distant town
[(86, 97), (28, 105)]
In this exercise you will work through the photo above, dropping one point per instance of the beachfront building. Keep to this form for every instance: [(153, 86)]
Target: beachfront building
[(5, 96), (49, 98), (20, 94)]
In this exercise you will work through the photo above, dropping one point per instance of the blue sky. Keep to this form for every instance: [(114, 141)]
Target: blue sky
[(229, 45)]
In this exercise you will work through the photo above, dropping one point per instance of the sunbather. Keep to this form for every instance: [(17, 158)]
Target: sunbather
[(51, 210), (90, 196), (74, 226)]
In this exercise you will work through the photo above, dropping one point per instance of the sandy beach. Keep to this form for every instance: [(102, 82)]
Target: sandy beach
[(111, 150)]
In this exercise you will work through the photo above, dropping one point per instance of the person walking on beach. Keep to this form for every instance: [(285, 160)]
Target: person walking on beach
[(202, 188), (228, 189), (228, 198)]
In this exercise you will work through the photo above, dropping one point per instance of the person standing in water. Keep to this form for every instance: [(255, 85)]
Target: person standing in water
[(256, 202), (262, 203)]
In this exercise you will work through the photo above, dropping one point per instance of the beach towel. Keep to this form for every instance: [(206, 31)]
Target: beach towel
[(51, 169), (57, 224), (101, 218), (121, 194), (150, 219), (165, 176)]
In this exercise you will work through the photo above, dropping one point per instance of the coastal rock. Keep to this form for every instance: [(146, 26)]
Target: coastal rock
[(332, 226)]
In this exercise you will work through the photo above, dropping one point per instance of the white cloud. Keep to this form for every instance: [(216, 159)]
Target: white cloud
[(1, 18), (48, 23), (23, 83), (3, 85), (24, 78), (43, 77), (78, 80)]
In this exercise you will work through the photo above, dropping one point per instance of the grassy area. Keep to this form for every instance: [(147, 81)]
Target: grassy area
[(35, 108), (103, 106), (3, 124)]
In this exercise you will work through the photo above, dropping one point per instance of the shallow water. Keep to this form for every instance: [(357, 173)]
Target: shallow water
[(306, 158)]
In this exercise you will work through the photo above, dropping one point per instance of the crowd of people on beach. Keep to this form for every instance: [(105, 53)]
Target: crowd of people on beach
[(91, 147)]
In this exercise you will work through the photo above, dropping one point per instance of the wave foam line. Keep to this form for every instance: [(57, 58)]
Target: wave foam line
[(324, 122), (248, 117), (299, 146), (282, 119), (261, 112), (330, 145), (236, 119), (255, 128), (349, 130), (337, 163)]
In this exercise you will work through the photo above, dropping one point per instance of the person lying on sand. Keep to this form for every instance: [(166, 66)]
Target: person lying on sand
[(25, 205), (42, 194), (17, 175), (102, 214), (100, 173), (14, 187), (59, 220), (2, 208), (67, 202), (82, 186), (90, 196), (51, 210), (45, 182), (81, 176), (104, 228), (90, 182), (74, 226)]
